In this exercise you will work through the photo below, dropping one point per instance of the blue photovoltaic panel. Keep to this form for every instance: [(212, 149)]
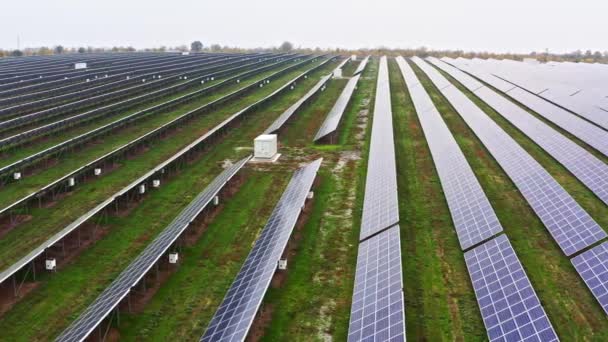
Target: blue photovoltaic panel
[(237, 311), (380, 206), (335, 114), (585, 166), (570, 225), (361, 66), (580, 128), (509, 306), (592, 266), (473, 216), (377, 309)]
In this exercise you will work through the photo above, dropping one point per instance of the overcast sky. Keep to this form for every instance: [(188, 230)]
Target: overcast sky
[(481, 25)]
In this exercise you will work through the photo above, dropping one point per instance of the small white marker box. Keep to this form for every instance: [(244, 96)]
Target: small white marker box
[(51, 264), (173, 258), (282, 264), (97, 171), (142, 189), (17, 175), (156, 183)]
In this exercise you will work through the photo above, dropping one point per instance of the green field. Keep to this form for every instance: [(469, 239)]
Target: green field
[(311, 301)]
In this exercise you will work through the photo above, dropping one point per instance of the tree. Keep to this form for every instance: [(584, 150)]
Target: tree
[(286, 46), (17, 53), (82, 50), (196, 46), (59, 49), (216, 48)]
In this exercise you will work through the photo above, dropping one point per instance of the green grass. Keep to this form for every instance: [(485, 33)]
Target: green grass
[(305, 123), (569, 304), (439, 301), (48, 220), (183, 306), (38, 318), (314, 303)]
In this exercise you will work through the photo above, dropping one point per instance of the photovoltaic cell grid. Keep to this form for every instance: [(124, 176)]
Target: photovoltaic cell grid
[(335, 114), (569, 224), (586, 131), (473, 216), (380, 206), (377, 308), (235, 314), (120, 287), (509, 306), (592, 266), (284, 117), (587, 168)]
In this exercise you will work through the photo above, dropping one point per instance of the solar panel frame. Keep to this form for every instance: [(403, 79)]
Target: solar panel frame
[(509, 306), (377, 312), (572, 228), (234, 316)]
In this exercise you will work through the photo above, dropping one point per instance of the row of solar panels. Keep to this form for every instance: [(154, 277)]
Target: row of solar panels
[(509, 306), (75, 101), (115, 107), (94, 81), (236, 313), (589, 133), (16, 86), (149, 176), (7, 170), (122, 150), (120, 288), (580, 89), (332, 121), (585, 166), (570, 225), (573, 228), (113, 82), (377, 309)]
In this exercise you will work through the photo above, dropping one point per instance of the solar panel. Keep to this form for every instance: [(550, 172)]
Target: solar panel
[(121, 286), (472, 214), (235, 314), (286, 115), (580, 128), (592, 266), (510, 309), (335, 114), (380, 206), (377, 309), (569, 224), (586, 167), (361, 66)]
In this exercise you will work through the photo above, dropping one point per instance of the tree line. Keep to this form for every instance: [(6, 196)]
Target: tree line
[(197, 46)]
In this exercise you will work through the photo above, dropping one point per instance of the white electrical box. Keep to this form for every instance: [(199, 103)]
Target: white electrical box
[(338, 73), (265, 146), (353, 58), (185, 53), (283, 264), (71, 181), (310, 195), (78, 66), (142, 189), (97, 171), (173, 257), (216, 200), (51, 264), (17, 175), (156, 183)]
